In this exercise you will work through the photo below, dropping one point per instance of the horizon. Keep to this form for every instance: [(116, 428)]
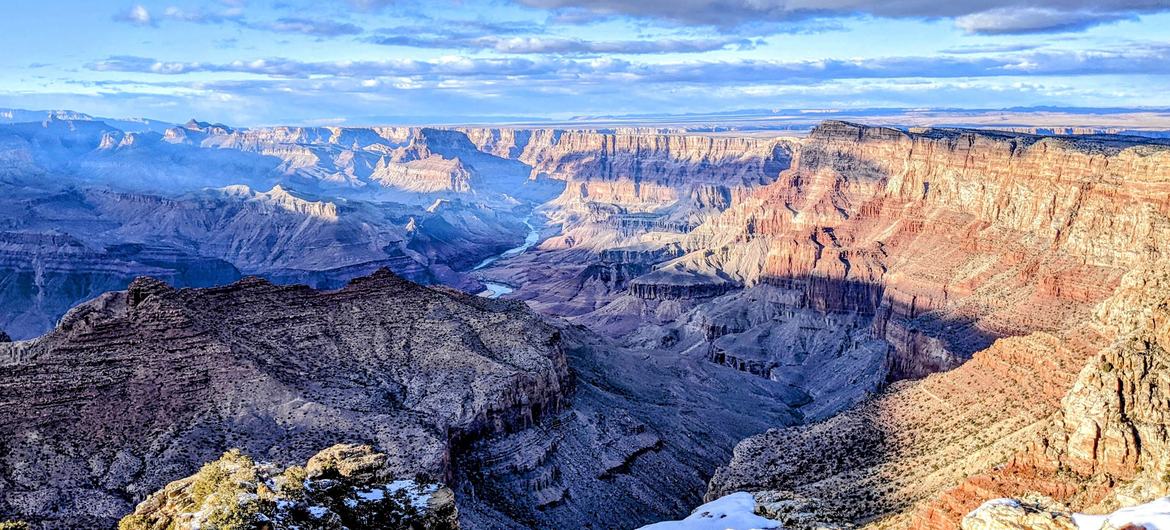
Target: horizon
[(1101, 119), (355, 62)]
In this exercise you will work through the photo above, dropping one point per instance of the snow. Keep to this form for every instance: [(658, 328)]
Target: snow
[(1154, 515), (318, 511), (731, 512), (418, 495), (372, 495)]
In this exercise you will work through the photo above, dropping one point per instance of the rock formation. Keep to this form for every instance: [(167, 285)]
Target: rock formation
[(984, 306), (1046, 514), (1079, 418), (909, 250), (1004, 514), (60, 247), (137, 388)]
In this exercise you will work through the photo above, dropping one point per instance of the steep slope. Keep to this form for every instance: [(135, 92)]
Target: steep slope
[(1080, 418), (138, 388), (908, 251)]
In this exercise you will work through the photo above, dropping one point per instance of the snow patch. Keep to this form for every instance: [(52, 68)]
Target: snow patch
[(417, 495), (731, 512), (318, 511), (1154, 515)]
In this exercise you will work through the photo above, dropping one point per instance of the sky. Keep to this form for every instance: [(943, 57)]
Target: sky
[(334, 62)]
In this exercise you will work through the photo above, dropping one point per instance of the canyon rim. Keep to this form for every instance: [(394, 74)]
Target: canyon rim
[(557, 264)]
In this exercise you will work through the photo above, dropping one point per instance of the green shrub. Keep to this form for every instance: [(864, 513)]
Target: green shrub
[(291, 483), (233, 515), (132, 522)]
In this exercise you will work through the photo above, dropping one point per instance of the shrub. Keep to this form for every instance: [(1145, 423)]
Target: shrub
[(291, 483), (233, 515), (131, 522)]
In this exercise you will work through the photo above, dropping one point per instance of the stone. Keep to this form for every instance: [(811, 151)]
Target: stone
[(1008, 514), (234, 492)]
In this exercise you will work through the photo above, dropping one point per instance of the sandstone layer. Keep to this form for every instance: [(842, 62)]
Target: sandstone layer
[(900, 254), (1079, 418)]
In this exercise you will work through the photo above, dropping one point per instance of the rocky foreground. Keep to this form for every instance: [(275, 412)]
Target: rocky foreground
[(139, 387), (344, 486)]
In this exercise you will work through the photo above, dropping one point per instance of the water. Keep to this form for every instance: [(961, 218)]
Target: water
[(529, 240), (496, 289)]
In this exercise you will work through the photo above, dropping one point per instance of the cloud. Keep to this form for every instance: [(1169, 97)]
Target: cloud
[(981, 16), (1151, 59), (233, 13), (136, 14), (198, 16), (989, 48), (1034, 20), (371, 5), (291, 68), (291, 101), (522, 37), (565, 46), (307, 26)]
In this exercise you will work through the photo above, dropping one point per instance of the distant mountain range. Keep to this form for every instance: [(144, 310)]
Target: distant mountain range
[(1150, 122), (125, 124)]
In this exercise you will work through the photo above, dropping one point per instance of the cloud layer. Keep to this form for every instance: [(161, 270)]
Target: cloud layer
[(975, 16)]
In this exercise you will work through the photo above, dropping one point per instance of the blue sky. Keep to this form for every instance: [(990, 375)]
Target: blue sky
[(254, 62)]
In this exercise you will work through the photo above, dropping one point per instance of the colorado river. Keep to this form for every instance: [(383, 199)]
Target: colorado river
[(496, 289)]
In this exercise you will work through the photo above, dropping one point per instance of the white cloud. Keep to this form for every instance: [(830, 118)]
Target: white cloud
[(137, 15)]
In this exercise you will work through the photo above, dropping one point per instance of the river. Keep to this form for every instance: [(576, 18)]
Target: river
[(496, 289)]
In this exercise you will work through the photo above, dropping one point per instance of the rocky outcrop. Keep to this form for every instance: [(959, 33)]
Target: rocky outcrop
[(137, 388), (648, 289), (1005, 514), (1044, 514), (1077, 417), (345, 486)]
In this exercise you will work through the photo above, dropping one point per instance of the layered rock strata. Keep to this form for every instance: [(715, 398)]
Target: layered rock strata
[(935, 242), (1079, 418), (137, 388)]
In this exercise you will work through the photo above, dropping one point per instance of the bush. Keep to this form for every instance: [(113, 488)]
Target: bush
[(131, 522), (233, 515), (291, 483), (14, 525)]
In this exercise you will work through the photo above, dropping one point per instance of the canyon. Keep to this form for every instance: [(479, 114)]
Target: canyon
[(859, 327)]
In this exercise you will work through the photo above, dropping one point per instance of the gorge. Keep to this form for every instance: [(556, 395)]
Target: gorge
[(861, 327)]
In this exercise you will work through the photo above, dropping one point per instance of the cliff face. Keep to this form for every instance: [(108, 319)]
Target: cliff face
[(888, 254), (1107, 445), (1079, 418), (137, 388), (947, 238)]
